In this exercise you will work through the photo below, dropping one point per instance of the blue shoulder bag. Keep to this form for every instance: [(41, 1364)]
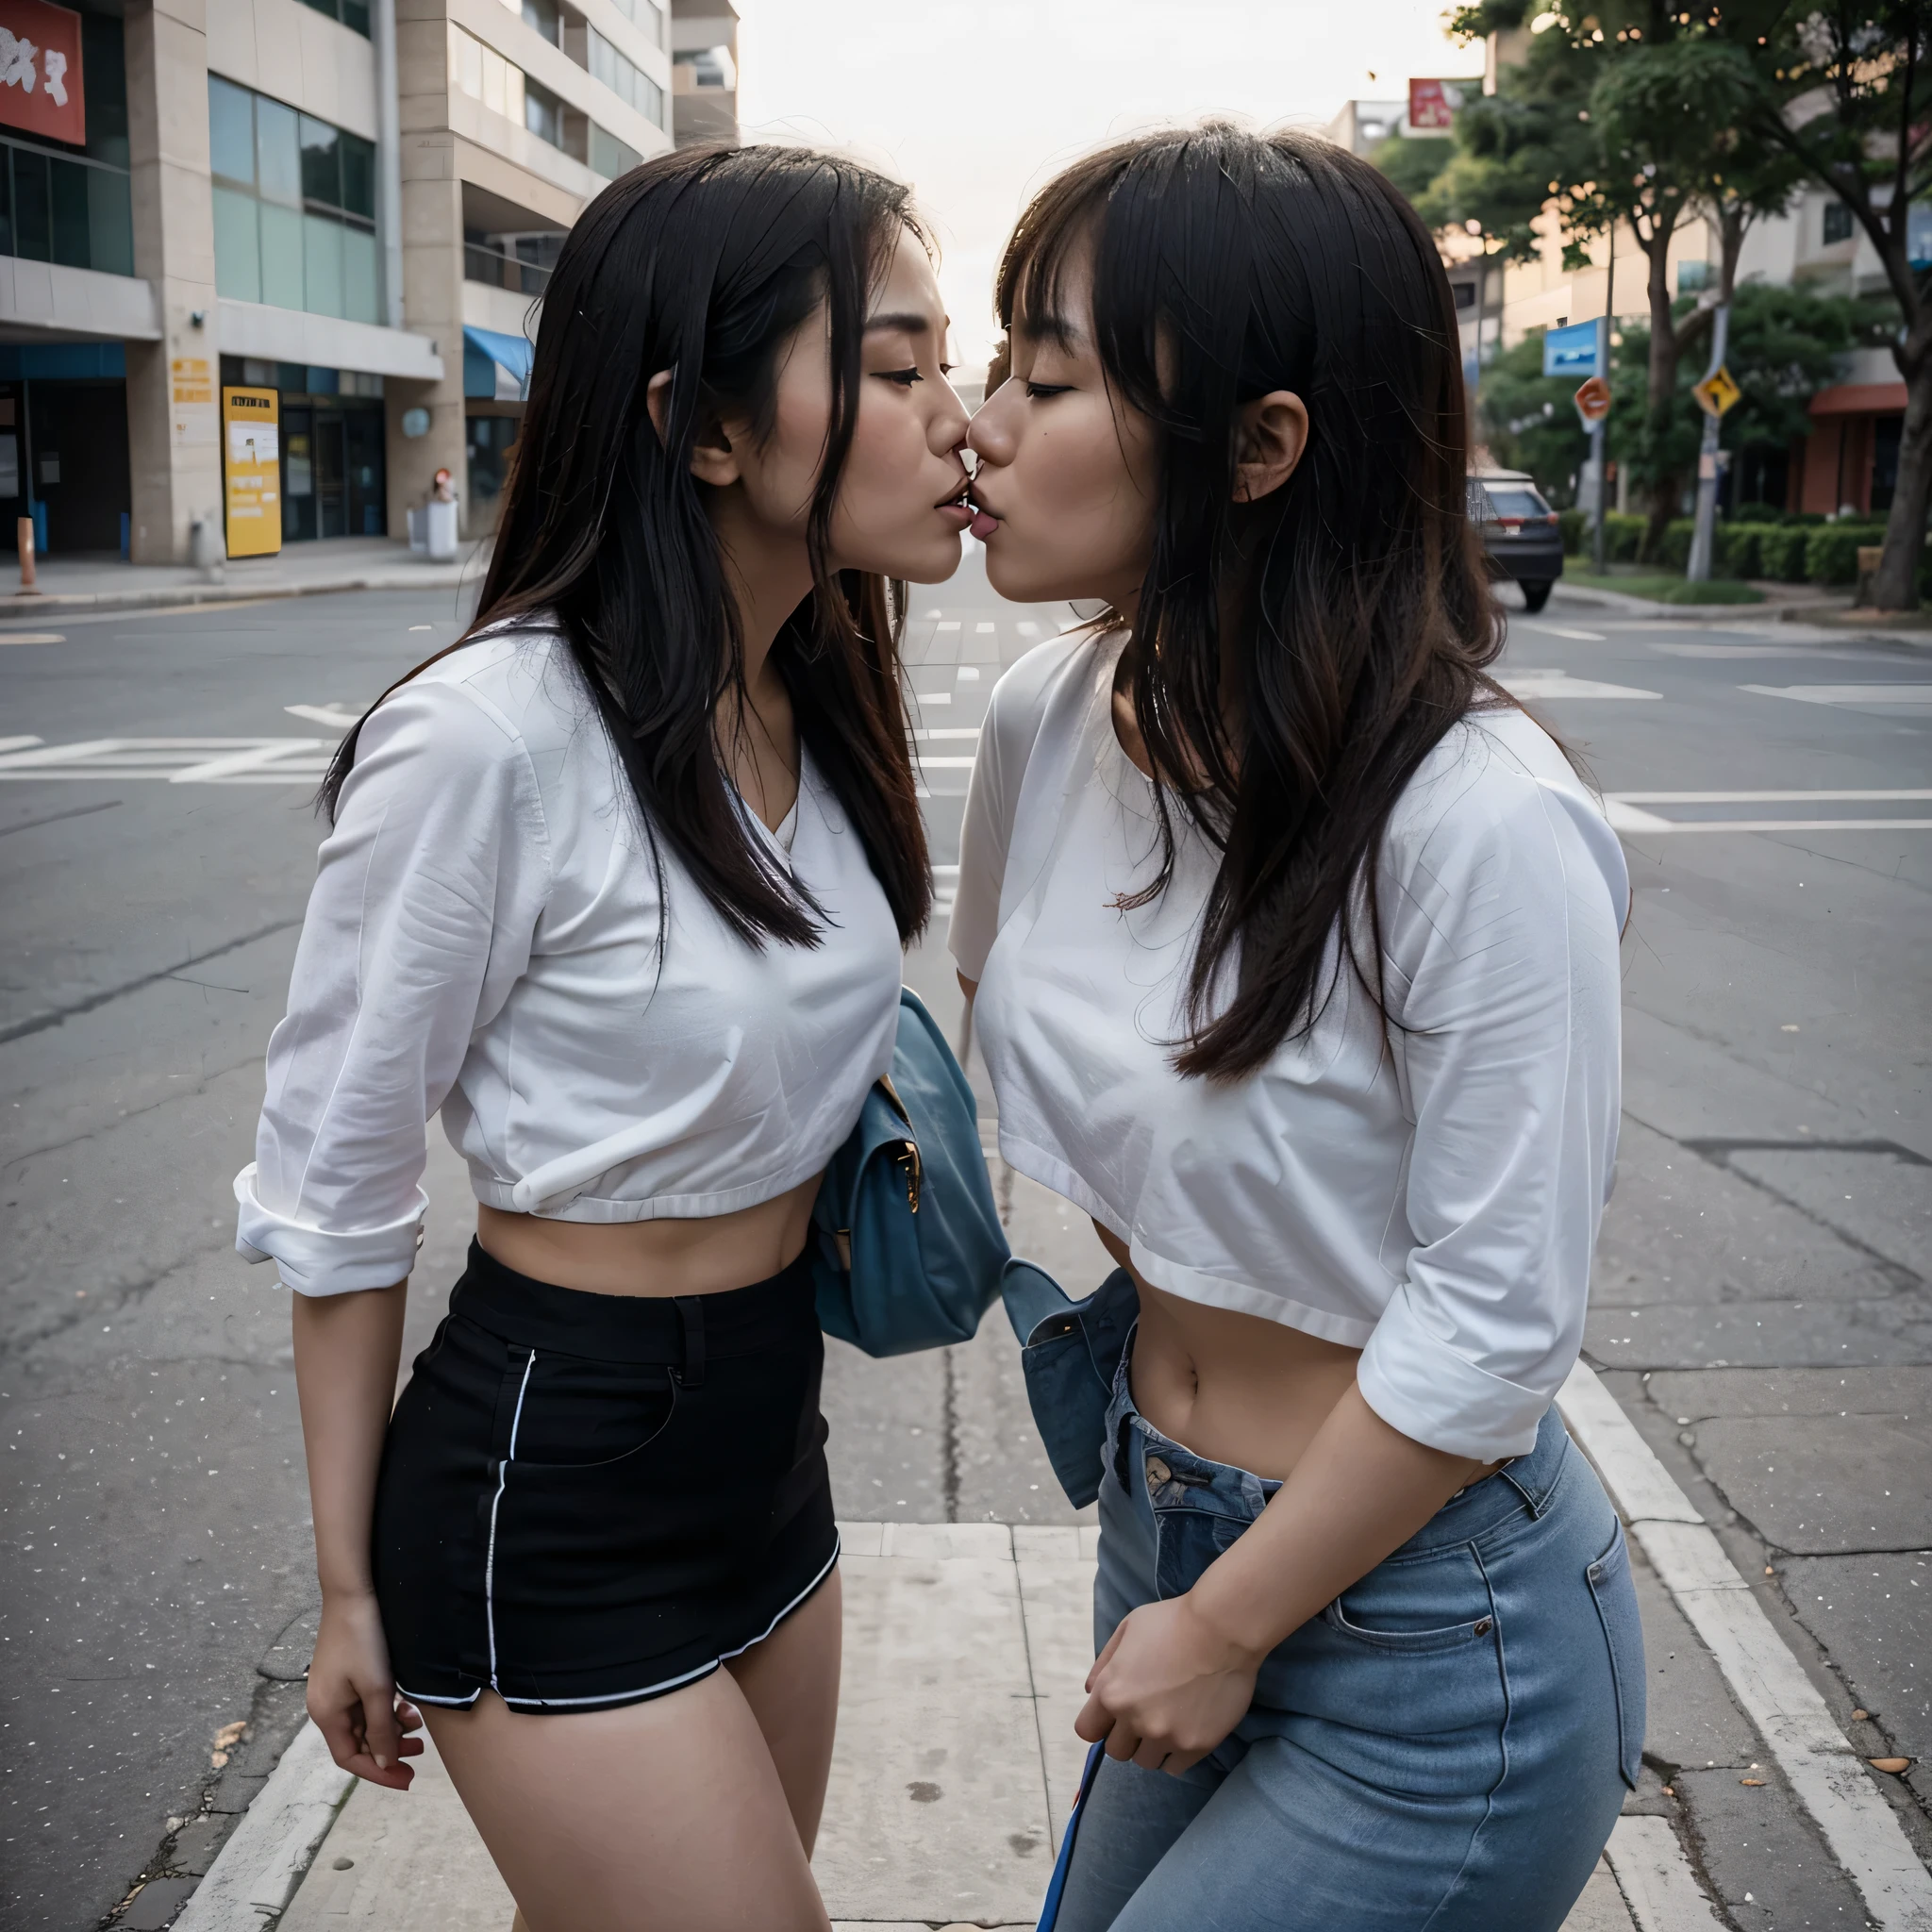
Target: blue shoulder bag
[(908, 1249)]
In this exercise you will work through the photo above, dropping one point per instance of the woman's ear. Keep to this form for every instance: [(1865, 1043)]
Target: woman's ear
[(712, 458), (1270, 434)]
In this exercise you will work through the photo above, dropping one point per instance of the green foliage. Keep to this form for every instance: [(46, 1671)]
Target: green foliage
[(1413, 161), (1831, 554), (1781, 553), (1676, 550), (1738, 554), (1575, 525), (1528, 421), (1785, 345), (1714, 592), (1624, 536)]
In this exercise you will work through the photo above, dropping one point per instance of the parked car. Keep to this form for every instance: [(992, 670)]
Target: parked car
[(1520, 532)]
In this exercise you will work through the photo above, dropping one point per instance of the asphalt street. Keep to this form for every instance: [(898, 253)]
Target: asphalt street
[(1760, 1305)]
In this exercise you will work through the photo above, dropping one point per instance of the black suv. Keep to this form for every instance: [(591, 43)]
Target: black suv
[(1518, 530)]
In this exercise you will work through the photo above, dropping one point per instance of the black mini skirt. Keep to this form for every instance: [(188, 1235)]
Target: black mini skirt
[(588, 1500)]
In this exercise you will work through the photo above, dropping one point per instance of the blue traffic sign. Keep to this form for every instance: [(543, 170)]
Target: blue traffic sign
[(1571, 350)]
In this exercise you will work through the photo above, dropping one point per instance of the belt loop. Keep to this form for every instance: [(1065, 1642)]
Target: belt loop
[(690, 1310)]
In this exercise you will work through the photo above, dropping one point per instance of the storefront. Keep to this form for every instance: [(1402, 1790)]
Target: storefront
[(334, 477), (496, 376), (63, 445), (1850, 459)]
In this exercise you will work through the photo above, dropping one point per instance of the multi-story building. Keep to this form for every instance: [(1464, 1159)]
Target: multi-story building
[(704, 71), (348, 206)]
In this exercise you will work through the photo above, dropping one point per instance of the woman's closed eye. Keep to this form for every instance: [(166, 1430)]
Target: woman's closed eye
[(1039, 392), (903, 377)]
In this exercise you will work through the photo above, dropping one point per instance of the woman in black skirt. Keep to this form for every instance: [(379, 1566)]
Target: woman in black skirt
[(620, 883)]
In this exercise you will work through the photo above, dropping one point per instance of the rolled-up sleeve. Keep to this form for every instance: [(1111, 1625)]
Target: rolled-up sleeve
[(1501, 939), (426, 903)]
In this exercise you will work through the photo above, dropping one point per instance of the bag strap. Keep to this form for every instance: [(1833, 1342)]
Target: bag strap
[(1057, 1885)]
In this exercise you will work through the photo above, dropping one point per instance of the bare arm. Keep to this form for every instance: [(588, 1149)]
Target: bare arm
[(1178, 1676), (347, 1347)]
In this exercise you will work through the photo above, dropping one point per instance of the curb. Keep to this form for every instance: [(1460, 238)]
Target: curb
[(1826, 1774), (54, 604), (1649, 606), (256, 1871)]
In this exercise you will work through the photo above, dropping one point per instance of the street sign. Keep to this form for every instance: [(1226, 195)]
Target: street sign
[(1571, 350), (41, 90), (1593, 400), (1432, 105), (1717, 393)]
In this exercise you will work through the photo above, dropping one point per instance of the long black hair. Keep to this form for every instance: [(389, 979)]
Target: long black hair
[(706, 262), (1226, 265)]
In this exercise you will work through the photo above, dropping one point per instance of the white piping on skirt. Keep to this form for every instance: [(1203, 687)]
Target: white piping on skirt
[(490, 1560)]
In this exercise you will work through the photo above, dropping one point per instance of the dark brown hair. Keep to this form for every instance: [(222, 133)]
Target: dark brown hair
[(1226, 265), (706, 262)]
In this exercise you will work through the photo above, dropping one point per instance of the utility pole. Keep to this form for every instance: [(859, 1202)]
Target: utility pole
[(1704, 540), (1598, 439)]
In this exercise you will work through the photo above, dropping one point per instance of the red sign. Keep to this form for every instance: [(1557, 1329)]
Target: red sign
[(1593, 400), (39, 70), (1432, 105)]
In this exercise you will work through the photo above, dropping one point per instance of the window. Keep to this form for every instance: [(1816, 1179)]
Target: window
[(294, 207), (610, 157), (1838, 223), (484, 76), (542, 114), (354, 14), (629, 83), (543, 16), (710, 66), (71, 206), (1465, 294), (1693, 276), (645, 14)]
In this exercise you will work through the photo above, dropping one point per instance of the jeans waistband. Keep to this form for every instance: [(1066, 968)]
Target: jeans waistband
[(1524, 1483), (682, 1331)]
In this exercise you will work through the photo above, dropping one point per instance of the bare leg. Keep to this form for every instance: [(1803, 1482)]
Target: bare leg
[(790, 1681), (662, 1816)]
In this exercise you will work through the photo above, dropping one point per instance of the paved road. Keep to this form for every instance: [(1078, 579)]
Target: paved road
[(1761, 1309)]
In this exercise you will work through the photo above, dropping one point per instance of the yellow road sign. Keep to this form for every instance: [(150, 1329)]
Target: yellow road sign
[(1716, 393)]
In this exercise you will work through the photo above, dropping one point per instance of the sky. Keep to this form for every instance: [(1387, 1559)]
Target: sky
[(978, 105)]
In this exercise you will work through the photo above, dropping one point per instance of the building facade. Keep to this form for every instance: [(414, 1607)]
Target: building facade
[(350, 206)]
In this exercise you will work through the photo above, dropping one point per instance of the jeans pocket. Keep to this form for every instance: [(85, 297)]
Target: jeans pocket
[(1415, 1643), (1615, 1596)]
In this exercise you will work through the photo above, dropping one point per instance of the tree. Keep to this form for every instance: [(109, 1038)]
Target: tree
[(1845, 93), (1413, 161), (1628, 115)]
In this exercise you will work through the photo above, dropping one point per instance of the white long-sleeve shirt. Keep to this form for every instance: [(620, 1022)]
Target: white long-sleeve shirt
[(1428, 1191), (483, 938)]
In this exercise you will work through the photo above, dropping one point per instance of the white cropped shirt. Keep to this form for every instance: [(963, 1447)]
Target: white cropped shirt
[(483, 938), (1428, 1191)]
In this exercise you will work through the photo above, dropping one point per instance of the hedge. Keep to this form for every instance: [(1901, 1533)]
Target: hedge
[(1575, 525), (1738, 549), (1831, 553), (1781, 553), (1624, 535)]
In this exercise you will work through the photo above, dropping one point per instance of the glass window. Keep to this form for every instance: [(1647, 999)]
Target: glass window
[(237, 246), (355, 16), (111, 222), (610, 157), (277, 152), (542, 114), (33, 237), (1515, 500), (104, 86), (359, 176), (281, 257), (1838, 223), (69, 184), (322, 265), (230, 130), (542, 15), (360, 302), (322, 162)]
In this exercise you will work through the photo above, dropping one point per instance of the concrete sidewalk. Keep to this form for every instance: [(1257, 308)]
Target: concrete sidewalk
[(339, 563), (966, 1646)]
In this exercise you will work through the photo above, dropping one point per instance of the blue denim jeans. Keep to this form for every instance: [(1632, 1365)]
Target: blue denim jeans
[(1447, 1747)]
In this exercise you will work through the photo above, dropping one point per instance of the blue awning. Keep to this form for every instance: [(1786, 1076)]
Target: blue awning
[(496, 365)]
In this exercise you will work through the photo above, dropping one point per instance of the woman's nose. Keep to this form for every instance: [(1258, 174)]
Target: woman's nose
[(985, 439)]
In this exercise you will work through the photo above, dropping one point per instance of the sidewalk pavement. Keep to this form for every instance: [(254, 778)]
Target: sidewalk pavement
[(338, 564), (966, 1646)]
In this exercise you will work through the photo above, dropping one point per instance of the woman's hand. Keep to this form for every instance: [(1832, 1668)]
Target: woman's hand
[(1167, 1688), (352, 1698)]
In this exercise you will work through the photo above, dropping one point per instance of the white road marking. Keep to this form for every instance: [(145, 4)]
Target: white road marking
[(32, 636), (1557, 630), (1532, 684), (945, 872), (1655, 1878), (934, 697), (177, 761), (954, 731), (967, 673), (947, 764), (1766, 798), (1027, 628), (1846, 694), (951, 624), (985, 630), (332, 715), (18, 743), (1828, 1775)]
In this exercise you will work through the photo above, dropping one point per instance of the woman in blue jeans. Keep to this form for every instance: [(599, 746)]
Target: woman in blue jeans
[(1294, 949)]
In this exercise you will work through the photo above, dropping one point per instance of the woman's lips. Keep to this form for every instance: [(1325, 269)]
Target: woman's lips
[(960, 515), (984, 522)]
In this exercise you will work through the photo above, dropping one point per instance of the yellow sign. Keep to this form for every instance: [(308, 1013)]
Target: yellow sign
[(1716, 393), (251, 464)]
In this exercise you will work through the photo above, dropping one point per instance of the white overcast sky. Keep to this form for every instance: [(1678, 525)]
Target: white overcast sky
[(977, 104)]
